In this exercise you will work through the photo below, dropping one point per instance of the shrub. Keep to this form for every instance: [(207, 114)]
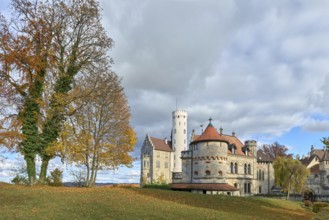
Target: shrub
[(20, 180), (56, 178), (308, 203), (157, 186), (317, 206)]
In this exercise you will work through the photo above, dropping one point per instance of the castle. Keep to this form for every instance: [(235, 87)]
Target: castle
[(213, 162), (217, 163)]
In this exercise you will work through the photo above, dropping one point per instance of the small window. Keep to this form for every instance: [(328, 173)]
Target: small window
[(207, 172), (220, 173), (174, 131), (166, 165), (184, 131), (196, 173), (236, 168), (235, 185), (158, 164), (245, 168), (249, 169), (260, 190), (231, 167)]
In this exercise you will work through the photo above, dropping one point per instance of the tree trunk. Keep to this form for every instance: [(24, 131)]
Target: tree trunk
[(43, 171), (288, 191), (30, 167)]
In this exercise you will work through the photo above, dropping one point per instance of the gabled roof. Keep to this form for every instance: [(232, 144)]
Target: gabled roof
[(319, 153), (262, 157), (160, 144)]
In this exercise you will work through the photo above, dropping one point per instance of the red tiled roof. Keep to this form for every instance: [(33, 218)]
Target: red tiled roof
[(210, 134), (160, 144), (204, 186)]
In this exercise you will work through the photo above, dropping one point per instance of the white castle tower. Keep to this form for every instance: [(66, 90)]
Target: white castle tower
[(179, 138)]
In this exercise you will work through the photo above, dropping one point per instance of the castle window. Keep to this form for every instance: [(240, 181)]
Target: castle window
[(263, 175), (207, 172), (220, 173), (158, 164), (259, 189), (245, 168), (184, 131), (249, 169), (236, 168), (196, 173), (174, 131), (245, 187), (235, 185), (231, 167), (144, 163), (166, 165), (249, 187)]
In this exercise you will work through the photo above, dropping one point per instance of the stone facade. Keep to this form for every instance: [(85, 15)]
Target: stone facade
[(317, 162), (213, 163)]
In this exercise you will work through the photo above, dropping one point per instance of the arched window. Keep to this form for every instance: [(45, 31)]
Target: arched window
[(263, 175), (260, 190), (231, 167), (245, 187), (235, 185), (196, 173), (220, 173), (236, 168), (245, 168), (249, 187), (207, 172), (249, 169)]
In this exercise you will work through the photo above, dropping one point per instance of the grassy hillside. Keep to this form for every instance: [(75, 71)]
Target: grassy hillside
[(42, 202)]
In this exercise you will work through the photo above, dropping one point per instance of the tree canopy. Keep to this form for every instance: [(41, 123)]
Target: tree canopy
[(98, 135), (275, 150), (290, 174), (45, 46)]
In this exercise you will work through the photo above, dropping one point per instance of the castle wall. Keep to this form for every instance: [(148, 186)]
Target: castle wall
[(209, 162)]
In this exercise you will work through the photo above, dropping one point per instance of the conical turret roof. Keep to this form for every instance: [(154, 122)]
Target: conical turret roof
[(210, 134)]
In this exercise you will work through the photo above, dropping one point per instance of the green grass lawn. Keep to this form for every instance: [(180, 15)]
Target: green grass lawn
[(43, 202)]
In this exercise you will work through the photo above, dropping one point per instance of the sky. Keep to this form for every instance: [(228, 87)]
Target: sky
[(258, 68)]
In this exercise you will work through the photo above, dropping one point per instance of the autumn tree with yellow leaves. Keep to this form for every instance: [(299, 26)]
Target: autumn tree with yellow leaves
[(98, 135), (45, 46)]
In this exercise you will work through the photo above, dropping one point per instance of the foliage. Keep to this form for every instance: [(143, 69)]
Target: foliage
[(98, 135), (137, 203), (317, 206), (325, 141), (157, 186), (55, 178), (275, 150), (290, 174), (45, 46), (20, 175), (322, 214)]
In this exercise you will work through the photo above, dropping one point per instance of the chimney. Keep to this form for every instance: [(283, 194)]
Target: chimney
[(166, 141), (233, 133), (221, 131)]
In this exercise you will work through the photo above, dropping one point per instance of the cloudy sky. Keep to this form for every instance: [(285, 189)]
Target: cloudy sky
[(259, 68)]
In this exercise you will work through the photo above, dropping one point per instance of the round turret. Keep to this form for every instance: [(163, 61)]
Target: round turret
[(179, 138)]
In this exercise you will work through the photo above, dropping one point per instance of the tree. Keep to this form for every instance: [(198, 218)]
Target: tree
[(44, 47), (290, 174), (275, 150), (98, 135), (325, 141)]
